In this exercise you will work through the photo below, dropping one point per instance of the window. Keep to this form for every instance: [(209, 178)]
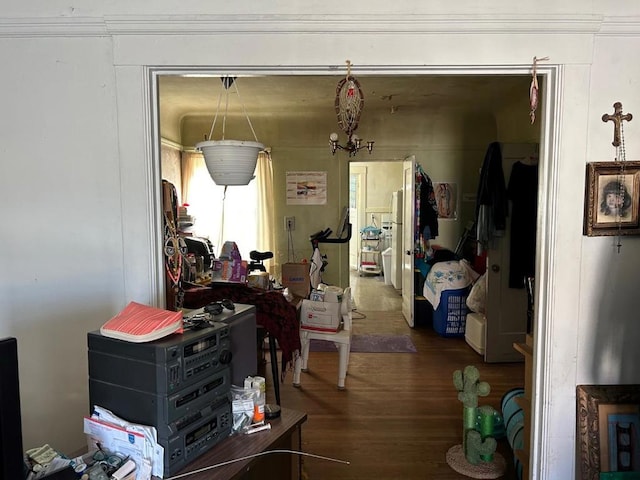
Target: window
[(221, 214)]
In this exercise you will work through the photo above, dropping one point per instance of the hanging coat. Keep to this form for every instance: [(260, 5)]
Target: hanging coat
[(428, 208), (492, 204), (523, 193)]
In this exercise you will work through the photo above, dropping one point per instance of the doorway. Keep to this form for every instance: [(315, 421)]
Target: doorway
[(549, 167), (357, 209), (371, 184)]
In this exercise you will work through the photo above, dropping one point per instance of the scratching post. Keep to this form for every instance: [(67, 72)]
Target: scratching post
[(476, 457)]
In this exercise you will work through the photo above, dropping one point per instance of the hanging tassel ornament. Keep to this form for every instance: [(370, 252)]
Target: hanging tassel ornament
[(533, 89)]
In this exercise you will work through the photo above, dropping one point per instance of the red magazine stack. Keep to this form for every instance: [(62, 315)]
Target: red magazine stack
[(141, 323)]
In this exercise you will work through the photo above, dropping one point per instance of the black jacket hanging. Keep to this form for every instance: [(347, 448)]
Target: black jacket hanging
[(523, 193), (492, 204), (428, 209)]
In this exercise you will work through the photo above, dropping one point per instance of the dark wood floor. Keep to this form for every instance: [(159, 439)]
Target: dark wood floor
[(399, 413)]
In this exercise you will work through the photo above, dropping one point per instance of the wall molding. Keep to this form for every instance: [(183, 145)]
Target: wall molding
[(370, 23), (620, 26), (238, 24), (53, 27), (165, 142)]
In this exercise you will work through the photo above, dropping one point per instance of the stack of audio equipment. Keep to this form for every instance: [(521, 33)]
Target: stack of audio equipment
[(179, 384)]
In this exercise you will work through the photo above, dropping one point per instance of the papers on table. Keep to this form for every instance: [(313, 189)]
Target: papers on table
[(54, 465), (139, 442)]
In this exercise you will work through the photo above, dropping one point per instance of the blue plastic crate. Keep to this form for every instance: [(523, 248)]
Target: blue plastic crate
[(450, 318)]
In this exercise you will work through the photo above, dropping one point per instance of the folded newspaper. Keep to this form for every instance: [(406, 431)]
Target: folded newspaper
[(138, 442)]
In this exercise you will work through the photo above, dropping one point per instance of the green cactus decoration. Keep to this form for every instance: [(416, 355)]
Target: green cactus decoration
[(479, 450), (487, 414), (469, 388)]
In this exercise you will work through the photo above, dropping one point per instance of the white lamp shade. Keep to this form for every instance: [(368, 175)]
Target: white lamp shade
[(230, 162)]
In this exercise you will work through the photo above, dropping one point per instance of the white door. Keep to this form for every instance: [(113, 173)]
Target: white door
[(506, 308), (357, 208), (397, 252), (408, 235)]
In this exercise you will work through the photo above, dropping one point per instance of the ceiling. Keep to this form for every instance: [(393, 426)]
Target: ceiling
[(314, 95)]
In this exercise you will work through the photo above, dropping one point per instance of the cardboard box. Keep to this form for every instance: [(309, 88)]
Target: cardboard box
[(295, 276), (233, 271), (258, 280), (320, 316), (329, 294)]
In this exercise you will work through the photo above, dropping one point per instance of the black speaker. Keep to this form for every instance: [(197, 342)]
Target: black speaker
[(244, 341), (11, 459)]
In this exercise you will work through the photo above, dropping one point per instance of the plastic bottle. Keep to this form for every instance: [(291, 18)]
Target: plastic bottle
[(259, 384)]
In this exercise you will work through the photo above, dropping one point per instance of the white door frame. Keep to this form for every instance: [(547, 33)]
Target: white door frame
[(546, 270), (408, 244), (361, 210)]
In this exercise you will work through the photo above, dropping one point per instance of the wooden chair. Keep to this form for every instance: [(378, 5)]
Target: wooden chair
[(341, 339)]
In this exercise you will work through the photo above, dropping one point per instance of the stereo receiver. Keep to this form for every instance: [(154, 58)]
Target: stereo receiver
[(163, 366), (169, 413), (200, 436)]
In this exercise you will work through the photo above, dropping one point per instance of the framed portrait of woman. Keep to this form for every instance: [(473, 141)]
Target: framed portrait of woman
[(612, 199)]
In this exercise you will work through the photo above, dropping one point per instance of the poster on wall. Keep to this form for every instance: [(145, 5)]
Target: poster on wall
[(446, 199), (306, 188)]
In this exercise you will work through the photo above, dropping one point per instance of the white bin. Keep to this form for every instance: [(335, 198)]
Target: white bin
[(386, 266)]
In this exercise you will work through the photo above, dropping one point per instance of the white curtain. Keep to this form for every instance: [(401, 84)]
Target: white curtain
[(266, 233), (221, 214)]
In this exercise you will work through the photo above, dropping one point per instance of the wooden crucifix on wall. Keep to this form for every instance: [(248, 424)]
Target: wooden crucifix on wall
[(617, 118)]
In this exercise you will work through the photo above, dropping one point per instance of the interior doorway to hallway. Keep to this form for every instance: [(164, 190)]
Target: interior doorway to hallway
[(371, 185), (369, 293)]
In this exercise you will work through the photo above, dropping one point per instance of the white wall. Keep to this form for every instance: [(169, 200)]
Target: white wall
[(383, 178), (62, 234), (171, 167), (608, 327), (75, 173)]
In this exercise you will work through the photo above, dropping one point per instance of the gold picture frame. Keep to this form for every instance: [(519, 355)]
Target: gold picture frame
[(612, 199), (604, 414)]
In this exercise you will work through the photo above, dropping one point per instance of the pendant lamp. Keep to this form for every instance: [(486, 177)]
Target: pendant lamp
[(230, 162)]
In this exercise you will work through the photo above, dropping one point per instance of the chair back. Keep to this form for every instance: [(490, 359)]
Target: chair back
[(345, 309)]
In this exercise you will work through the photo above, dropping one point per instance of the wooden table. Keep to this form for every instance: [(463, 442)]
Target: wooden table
[(285, 433)]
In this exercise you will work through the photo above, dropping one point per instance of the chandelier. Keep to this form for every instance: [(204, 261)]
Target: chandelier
[(349, 104), (230, 162)]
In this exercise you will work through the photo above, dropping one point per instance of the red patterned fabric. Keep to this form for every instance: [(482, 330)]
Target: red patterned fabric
[(273, 312)]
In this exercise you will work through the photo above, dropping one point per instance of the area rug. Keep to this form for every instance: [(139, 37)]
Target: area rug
[(369, 344)]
